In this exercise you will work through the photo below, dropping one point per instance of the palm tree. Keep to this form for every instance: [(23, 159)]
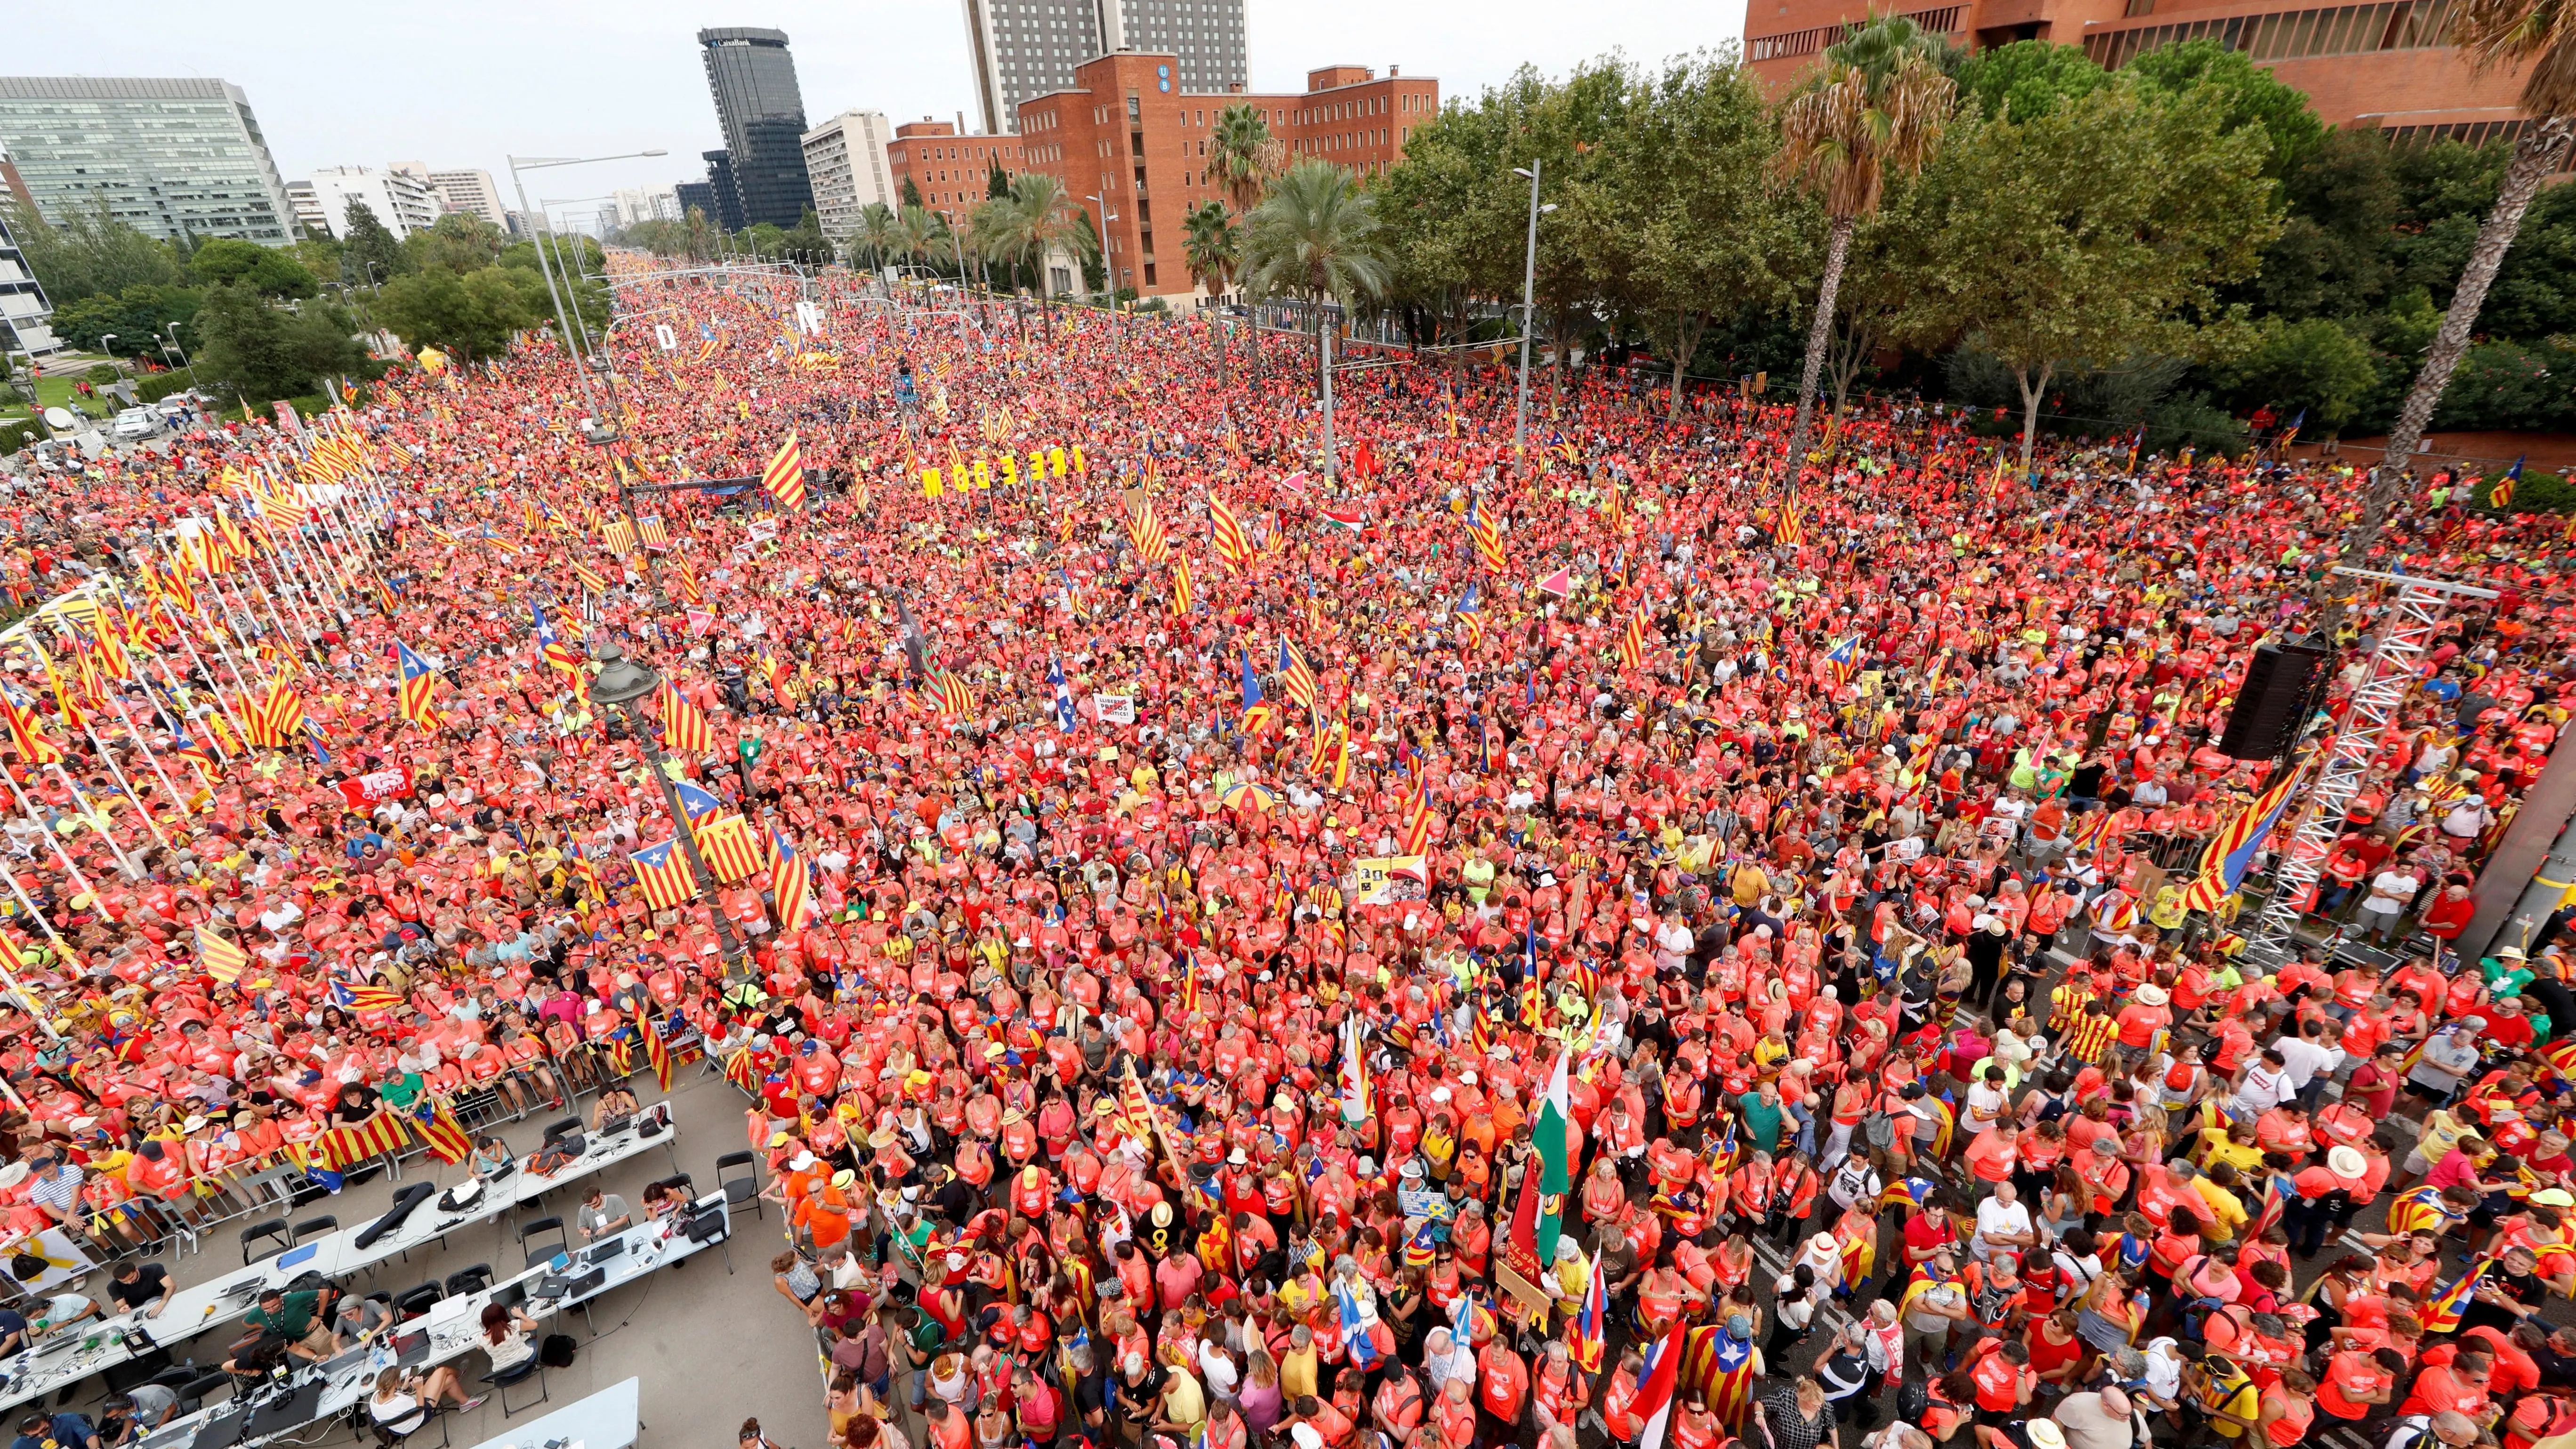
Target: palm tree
[(1213, 246), (2494, 32), (1037, 219), (1878, 104), (1316, 236), (1243, 155), (918, 232), (879, 231)]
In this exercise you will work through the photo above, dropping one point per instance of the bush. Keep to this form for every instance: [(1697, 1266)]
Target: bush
[(100, 374), (2535, 493), (14, 436), (160, 385)]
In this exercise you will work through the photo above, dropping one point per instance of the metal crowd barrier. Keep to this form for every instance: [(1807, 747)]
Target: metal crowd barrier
[(271, 1189)]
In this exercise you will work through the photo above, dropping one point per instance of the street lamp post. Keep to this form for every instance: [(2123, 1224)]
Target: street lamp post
[(540, 163), (1529, 286), (1106, 216), (620, 690), (185, 360)]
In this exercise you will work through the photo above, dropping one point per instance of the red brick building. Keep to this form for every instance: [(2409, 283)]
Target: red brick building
[(953, 172), (1131, 147), (2375, 66)]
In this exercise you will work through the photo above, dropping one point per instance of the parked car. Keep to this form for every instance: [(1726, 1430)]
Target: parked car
[(135, 423)]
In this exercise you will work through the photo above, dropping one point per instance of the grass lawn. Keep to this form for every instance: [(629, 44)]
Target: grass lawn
[(51, 392)]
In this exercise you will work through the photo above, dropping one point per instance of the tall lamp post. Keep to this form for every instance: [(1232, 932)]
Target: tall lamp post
[(540, 163), (620, 690), (1529, 286), (185, 360)]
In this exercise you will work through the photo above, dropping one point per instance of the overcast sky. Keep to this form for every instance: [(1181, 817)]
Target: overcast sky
[(465, 83)]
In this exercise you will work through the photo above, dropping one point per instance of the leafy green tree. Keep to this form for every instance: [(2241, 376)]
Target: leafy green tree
[(2250, 95), (660, 237), (1680, 219), (91, 254), (2093, 234), (919, 233), (1316, 237), (805, 240), (317, 253), (260, 352), (1457, 216), (1037, 220), (1878, 105), (1243, 155), (2333, 257), (878, 233), (2028, 78), (2540, 34), (269, 271), (1213, 246), (138, 317), (470, 316), (2512, 385), (368, 252), (997, 182), (459, 242), (911, 194), (2314, 366)]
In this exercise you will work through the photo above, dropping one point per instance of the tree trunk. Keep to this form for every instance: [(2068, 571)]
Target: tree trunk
[(1685, 342), (1820, 333), (1324, 374), (2535, 157), (2031, 393)]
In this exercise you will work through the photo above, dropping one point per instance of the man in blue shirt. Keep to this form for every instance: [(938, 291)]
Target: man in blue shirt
[(61, 1431)]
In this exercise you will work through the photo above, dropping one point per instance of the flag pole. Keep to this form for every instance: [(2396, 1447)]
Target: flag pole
[(43, 1016), (55, 841), (116, 700), (117, 772)]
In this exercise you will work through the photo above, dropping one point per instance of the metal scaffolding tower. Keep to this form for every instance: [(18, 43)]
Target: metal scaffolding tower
[(2405, 632)]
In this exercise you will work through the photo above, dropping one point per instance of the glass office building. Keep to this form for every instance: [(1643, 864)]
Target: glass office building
[(763, 116), (172, 158)]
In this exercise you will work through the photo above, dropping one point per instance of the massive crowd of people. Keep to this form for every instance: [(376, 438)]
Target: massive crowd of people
[(1224, 870)]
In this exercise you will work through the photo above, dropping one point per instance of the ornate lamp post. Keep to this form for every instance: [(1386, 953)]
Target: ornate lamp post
[(619, 691)]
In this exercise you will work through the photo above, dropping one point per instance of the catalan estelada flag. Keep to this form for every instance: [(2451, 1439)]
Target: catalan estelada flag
[(419, 682), (742, 1071), (1792, 530), (658, 1052), (1632, 641), (783, 478), (34, 746), (730, 849), (791, 883), (2230, 853), (1296, 676), (2441, 1312), (1180, 584), (446, 1137), (591, 578), (664, 874)]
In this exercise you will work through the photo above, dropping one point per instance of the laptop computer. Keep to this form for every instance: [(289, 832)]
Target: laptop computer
[(412, 1348), (618, 1123), (587, 1284), (601, 1252), (221, 1432), (292, 1412)]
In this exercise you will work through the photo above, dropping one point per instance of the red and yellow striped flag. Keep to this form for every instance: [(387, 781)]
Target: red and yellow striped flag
[(784, 477)]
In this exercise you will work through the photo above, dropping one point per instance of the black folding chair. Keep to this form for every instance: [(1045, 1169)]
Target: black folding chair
[(743, 1189), (465, 1282), (274, 1232), (311, 1228), (538, 1229), (504, 1380), (414, 1302)]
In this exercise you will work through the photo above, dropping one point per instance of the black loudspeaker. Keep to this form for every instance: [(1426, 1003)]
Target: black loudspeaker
[(2279, 687)]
